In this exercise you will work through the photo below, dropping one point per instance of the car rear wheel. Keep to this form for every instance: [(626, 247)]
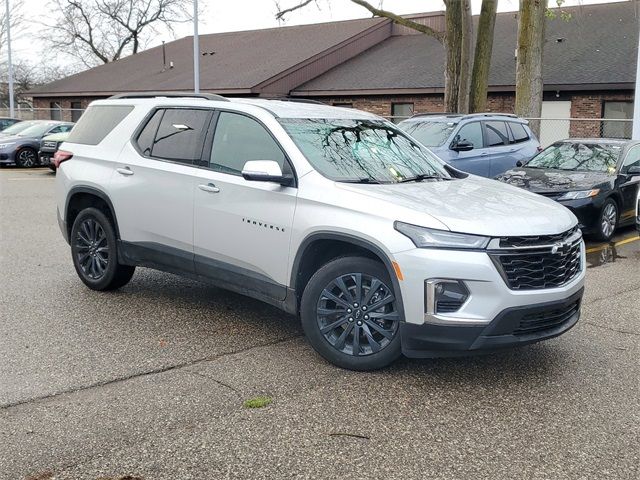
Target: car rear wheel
[(94, 252), (608, 220), (26, 158), (350, 315)]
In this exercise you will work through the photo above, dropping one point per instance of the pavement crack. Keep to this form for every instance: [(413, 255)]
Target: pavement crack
[(617, 330), (609, 297), (219, 382), (168, 368)]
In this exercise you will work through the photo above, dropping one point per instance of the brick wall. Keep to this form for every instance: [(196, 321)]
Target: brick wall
[(42, 106), (591, 106)]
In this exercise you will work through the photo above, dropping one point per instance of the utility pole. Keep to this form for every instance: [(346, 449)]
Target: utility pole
[(196, 49), (10, 66), (636, 105)]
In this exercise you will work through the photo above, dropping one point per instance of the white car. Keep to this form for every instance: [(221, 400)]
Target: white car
[(331, 214)]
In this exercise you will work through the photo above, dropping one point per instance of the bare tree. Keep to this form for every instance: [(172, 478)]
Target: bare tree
[(482, 57), (456, 39), (102, 31), (16, 20), (529, 84)]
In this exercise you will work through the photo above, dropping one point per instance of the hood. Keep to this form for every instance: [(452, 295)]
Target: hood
[(475, 205), (545, 180), (57, 137)]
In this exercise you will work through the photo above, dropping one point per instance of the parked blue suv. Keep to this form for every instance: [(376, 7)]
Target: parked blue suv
[(485, 144)]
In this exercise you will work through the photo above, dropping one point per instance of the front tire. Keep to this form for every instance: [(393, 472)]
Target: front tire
[(608, 220), (94, 252), (27, 158), (350, 315)]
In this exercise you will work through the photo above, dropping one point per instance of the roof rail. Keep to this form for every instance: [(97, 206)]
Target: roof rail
[(205, 96), (491, 114), (297, 100), (437, 114)]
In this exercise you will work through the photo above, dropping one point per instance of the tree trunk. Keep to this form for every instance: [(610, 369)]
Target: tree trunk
[(453, 45), (529, 84), (465, 56), (482, 58)]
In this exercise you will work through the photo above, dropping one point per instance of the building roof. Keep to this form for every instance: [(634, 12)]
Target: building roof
[(241, 63), (596, 47)]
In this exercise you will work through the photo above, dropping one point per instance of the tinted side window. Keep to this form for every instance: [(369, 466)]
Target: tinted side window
[(471, 133), (239, 139), (97, 122), (631, 160), (148, 133), (180, 135), (497, 134), (519, 132)]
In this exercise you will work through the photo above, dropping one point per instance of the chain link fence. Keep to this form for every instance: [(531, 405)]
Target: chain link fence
[(28, 113)]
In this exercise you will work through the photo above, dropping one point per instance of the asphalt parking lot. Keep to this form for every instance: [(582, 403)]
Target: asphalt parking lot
[(149, 382)]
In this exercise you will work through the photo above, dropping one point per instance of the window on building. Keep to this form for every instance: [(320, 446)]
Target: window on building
[(622, 112), (76, 111), (343, 104), (401, 111), (238, 139), (55, 111), (496, 134)]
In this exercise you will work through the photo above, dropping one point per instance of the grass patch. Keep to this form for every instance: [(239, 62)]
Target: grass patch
[(257, 402)]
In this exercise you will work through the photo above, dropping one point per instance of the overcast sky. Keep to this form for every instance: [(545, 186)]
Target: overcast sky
[(233, 15)]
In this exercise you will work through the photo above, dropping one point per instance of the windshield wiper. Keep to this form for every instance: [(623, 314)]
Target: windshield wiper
[(361, 180), (423, 176)]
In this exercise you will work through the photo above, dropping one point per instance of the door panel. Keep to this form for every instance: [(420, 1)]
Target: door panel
[(474, 161)]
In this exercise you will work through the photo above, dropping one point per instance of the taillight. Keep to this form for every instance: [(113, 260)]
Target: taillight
[(61, 156)]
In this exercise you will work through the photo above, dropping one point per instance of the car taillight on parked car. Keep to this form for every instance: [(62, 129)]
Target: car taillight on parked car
[(61, 156)]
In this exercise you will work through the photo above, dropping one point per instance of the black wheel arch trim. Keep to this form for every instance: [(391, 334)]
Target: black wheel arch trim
[(356, 241), (91, 191)]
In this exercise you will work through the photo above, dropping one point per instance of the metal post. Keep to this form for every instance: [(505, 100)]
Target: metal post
[(196, 49), (636, 105), (10, 65)]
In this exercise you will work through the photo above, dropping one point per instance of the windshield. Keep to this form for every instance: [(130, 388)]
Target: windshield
[(18, 127), (36, 130), (578, 156), (430, 134), (362, 151)]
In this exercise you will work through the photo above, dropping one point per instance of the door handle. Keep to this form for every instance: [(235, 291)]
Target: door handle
[(209, 187), (124, 171)]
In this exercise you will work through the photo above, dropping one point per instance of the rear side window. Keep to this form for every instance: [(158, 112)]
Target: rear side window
[(519, 133), (496, 134), (177, 133), (97, 122)]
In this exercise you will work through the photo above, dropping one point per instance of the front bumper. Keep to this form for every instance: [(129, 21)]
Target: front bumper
[(587, 210), (512, 327)]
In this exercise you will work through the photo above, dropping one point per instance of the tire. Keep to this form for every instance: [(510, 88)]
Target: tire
[(94, 252), (27, 158), (338, 324), (607, 220)]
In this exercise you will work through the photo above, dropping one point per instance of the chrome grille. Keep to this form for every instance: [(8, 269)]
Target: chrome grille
[(534, 263)]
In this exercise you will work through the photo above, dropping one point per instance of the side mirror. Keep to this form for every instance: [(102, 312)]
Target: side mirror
[(519, 163), (633, 171), (265, 171), (462, 146)]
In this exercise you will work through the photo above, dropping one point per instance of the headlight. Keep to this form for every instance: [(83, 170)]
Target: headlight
[(5, 145), (429, 238), (579, 194)]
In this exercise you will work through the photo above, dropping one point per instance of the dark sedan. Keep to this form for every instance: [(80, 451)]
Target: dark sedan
[(21, 147), (597, 179)]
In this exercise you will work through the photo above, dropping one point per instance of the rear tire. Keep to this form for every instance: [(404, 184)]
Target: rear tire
[(94, 250), (350, 315)]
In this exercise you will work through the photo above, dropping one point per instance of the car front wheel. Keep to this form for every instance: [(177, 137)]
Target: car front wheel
[(26, 158), (94, 252), (608, 220), (350, 314)]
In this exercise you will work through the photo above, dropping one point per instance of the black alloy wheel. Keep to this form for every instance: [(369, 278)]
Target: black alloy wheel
[(26, 158)]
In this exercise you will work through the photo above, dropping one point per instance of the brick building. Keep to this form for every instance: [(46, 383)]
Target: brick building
[(375, 65)]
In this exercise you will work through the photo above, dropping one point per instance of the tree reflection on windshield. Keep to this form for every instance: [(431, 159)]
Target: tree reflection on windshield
[(578, 156), (361, 150)]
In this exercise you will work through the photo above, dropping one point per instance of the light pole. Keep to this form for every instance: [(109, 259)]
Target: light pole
[(196, 49), (10, 65), (636, 105)]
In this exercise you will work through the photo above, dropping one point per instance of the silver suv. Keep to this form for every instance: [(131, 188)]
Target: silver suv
[(331, 214)]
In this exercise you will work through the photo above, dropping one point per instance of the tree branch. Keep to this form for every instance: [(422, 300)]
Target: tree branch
[(282, 13)]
